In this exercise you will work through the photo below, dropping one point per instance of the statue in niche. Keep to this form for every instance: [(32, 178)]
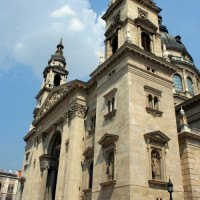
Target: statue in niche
[(110, 166), (183, 118), (155, 165)]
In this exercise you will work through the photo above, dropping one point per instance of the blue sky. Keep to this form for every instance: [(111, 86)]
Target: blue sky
[(29, 35)]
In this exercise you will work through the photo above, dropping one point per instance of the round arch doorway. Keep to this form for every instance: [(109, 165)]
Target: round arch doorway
[(54, 152)]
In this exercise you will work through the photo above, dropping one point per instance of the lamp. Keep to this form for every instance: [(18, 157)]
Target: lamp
[(170, 188)]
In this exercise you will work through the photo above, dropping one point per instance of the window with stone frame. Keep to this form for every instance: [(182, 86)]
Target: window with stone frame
[(108, 142), (190, 85), (178, 82), (0, 186), (146, 41), (92, 122), (114, 43), (157, 143), (110, 99), (88, 177), (153, 98)]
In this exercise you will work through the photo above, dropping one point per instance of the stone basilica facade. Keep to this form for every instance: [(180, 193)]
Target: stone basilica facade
[(120, 135)]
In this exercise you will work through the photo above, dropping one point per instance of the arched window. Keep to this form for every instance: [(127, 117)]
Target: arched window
[(156, 103), (190, 85), (150, 101), (113, 103), (146, 42), (115, 44), (90, 175), (57, 79), (178, 83)]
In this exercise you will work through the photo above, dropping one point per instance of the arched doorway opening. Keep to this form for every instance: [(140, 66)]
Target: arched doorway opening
[(54, 152)]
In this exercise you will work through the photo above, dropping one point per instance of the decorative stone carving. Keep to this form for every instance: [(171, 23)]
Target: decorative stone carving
[(51, 101), (39, 138), (45, 165), (155, 166), (155, 113), (157, 136), (108, 139), (89, 152), (77, 110)]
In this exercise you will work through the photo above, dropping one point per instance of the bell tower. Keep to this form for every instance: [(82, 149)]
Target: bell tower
[(55, 74), (135, 21)]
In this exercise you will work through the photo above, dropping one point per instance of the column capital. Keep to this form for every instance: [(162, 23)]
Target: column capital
[(77, 110)]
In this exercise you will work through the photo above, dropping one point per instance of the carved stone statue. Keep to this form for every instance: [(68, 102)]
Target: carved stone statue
[(110, 167), (183, 119), (155, 165)]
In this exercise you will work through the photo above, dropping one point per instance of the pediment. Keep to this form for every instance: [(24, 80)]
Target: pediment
[(146, 24), (108, 139), (89, 152), (157, 136), (52, 99)]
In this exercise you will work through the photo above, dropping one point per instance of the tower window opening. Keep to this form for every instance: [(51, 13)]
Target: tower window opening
[(150, 101), (146, 41), (156, 103), (57, 80), (115, 44)]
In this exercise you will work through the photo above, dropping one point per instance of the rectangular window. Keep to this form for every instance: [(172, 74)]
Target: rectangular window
[(110, 99), (153, 97)]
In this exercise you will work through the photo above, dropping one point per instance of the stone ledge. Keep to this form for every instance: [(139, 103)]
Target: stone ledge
[(158, 183), (87, 190), (155, 113), (108, 184), (110, 114)]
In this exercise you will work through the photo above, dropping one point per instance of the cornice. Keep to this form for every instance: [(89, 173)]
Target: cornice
[(30, 134), (111, 9), (132, 48), (188, 135), (189, 102), (149, 4)]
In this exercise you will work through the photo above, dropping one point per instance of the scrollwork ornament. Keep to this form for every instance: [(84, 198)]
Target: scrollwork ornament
[(45, 166)]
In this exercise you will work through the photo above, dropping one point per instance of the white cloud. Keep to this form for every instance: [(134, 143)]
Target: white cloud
[(30, 34), (18, 46), (65, 10), (76, 25)]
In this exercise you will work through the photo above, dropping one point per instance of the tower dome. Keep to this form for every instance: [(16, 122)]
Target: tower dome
[(174, 44)]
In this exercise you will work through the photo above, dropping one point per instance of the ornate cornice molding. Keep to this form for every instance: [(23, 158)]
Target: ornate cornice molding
[(89, 152), (126, 50), (108, 139)]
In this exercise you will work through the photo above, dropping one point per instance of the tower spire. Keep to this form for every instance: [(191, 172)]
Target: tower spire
[(60, 47)]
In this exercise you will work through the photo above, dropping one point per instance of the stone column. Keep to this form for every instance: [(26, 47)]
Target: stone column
[(139, 37), (185, 86), (73, 178), (45, 168), (62, 161)]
